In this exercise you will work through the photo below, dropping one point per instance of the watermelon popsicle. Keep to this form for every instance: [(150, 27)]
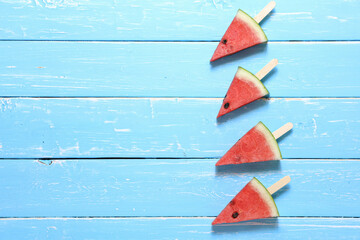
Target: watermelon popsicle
[(257, 145), (245, 88), (254, 201), (243, 32)]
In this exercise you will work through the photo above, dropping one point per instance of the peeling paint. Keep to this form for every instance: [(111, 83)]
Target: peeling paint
[(315, 127), (63, 151), (122, 130)]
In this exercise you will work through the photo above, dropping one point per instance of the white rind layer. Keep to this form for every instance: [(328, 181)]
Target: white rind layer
[(259, 187), (270, 139), (242, 16), (248, 76)]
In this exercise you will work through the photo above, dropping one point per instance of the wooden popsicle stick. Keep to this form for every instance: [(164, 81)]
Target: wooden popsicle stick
[(278, 185), (263, 13), (265, 70), (281, 131)]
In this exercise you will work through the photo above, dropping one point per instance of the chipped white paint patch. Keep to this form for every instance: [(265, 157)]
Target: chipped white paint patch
[(315, 127), (318, 226), (332, 121), (10, 66), (38, 148), (179, 145), (48, 86), (60, 162), (1, 146), (292, 13), (310, 102), (49, 122), (5, 104), (168, 125), (92, 99), (53, 4), (107, 121), (95, 149), (213, 151), (169, 148), (7, 31), (52, 227), (195, 147), (191, 193), (122, 130), (122, 28), (336, 18), (69, 149), (152, 109)]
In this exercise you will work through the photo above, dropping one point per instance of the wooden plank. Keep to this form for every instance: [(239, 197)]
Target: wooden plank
[(173, 69), (172, 187), (179, 228), (174, 20), (171, 127)]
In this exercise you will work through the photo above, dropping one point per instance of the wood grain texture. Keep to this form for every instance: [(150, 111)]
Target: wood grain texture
[(173, 20), (172, 187), (179, 228), (171, 127), (173, 69)]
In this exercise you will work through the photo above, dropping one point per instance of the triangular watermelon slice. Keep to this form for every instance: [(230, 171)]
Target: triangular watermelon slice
[(245, 88), (253, 202), (242, 33), (256, 145)]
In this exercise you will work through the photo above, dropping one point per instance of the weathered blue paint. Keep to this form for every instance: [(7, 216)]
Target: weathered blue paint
[(171, 127), (180, 123), (179, 228), (172, 187), (174, 20), (173, 69)]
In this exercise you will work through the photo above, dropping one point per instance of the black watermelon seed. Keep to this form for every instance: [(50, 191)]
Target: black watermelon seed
[(226, 106), (235, 215), (224, 41)]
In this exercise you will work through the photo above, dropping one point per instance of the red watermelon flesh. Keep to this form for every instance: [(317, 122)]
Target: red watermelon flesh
[(256, 145), (242, 33), (253, 202), (245, 88)]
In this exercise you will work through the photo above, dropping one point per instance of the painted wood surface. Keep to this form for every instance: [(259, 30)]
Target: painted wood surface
[(173, 20), (172, 187), (171, 127), (173, 69), (178, 228), (139, 104)]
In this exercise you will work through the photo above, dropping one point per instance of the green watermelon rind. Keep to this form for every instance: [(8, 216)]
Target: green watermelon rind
[(266, 196), (253, 23), (269, 136), (252, 78)]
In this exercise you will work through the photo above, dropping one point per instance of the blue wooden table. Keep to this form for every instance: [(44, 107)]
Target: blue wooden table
[(108, 119)]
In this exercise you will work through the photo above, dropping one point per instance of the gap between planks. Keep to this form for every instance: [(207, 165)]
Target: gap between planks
[(180, 41), (161, 218), (169, 158), (168, 97)]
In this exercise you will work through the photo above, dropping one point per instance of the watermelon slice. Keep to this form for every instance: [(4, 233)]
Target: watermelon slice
[(242, 33), (253, 202), (245, 88), (256, 145)]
